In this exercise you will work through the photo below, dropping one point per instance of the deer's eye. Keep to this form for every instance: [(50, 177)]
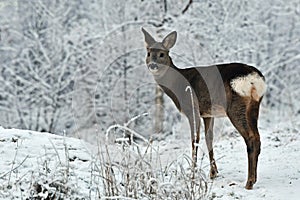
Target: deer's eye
[(161, 55)]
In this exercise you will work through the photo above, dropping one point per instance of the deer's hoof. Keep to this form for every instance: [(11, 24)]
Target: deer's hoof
[(213, 172), (249, 185)]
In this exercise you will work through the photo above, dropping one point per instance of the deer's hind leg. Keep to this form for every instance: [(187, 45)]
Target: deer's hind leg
[(209, 136), (244, 115), (252, 116)]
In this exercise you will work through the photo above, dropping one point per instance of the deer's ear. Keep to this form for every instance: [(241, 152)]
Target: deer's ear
[(148, 38), (169, 41)]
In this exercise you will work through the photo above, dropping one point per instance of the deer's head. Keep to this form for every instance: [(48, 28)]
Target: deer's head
[(158, 60)]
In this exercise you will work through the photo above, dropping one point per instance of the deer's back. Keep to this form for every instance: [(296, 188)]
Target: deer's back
[(215, 86)]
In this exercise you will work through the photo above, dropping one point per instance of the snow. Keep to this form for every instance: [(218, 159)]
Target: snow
[(31, 158), (37, 164), (278, 168)]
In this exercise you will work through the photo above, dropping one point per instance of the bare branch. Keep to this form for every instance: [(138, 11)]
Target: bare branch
[(187, 6)]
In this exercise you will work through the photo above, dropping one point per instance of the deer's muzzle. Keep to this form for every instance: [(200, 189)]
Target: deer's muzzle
[(153, 67)]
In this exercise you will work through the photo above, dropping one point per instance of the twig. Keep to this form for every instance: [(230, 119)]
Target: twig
[(14, 161), (67, 171), (118, 197), (187, 6), (126, 129), (55, 151), (1, 176)]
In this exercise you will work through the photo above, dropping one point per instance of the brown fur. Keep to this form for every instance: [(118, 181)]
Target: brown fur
[(212, 97)]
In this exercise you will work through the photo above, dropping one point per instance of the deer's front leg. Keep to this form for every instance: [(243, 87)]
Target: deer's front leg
[(194, 122), (209, 136)]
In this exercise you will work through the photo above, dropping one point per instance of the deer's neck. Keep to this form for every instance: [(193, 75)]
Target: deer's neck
[(173, 83), (170, 77)]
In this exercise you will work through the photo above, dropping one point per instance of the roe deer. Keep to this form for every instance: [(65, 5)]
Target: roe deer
[(234, 90)]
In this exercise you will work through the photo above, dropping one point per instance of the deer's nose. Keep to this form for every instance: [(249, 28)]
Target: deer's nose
[(153, 67)]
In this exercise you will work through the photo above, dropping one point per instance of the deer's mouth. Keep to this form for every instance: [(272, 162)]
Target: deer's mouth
[(157, 69), (153, 68)]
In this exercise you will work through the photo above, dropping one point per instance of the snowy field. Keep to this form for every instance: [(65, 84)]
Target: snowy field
[(45, 166)]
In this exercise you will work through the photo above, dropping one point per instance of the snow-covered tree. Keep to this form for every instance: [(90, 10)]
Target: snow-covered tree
[(68, 65), (39, 77)]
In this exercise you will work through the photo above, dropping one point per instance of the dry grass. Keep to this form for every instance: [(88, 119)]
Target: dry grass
[(115, 171)]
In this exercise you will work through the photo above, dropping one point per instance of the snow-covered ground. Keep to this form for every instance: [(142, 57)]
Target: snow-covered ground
[(44, 165)]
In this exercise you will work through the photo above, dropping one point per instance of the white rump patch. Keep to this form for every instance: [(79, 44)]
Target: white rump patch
[(252, 85)]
